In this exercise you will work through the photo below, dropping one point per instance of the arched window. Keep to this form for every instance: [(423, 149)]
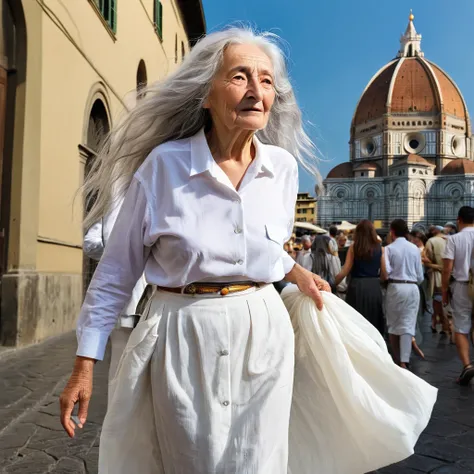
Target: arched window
[(97, 129), (176, 48), (142, 79)]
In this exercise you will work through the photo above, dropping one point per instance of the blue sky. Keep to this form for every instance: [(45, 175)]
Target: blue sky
[(337, 45)]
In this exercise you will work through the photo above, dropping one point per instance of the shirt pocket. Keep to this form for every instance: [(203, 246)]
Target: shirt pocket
[(275, 239)]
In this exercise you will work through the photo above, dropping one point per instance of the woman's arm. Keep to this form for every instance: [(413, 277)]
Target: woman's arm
[(347, 266), (383, 265), (120, 268)]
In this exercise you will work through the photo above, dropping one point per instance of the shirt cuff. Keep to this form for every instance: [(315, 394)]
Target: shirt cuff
[(288, 262), (92, 343)]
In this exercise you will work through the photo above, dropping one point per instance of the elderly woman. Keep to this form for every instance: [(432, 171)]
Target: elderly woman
[(209, 161)]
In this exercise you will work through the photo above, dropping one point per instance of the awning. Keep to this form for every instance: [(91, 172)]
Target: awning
[(344, 225), (309, 226)]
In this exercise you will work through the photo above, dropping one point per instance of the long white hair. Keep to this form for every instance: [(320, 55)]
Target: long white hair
[(172, 109)]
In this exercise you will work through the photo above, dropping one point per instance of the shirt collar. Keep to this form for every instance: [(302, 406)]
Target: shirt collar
[(468, 229), (202, 159)]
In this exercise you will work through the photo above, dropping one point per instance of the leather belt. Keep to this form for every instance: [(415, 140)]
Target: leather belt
[(213, 288), (407, 282)]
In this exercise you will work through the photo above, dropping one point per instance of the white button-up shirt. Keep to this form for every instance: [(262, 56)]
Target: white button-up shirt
[(182, 221), (403, 261), (459, 248)]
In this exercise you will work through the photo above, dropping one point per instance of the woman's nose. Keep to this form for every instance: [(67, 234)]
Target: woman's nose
[(255, 89)]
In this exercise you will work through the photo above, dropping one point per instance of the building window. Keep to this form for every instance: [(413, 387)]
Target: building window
[(183, 51), (142, 79), (158, 18), (176, 49), (108, 9)]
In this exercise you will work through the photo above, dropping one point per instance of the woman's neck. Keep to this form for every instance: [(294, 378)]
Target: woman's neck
[(231, 144)]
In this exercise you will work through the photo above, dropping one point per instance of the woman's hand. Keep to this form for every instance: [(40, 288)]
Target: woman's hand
[(78, 389), (308, 283)]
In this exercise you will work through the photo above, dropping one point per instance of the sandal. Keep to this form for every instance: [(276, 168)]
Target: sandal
[(466, 375)]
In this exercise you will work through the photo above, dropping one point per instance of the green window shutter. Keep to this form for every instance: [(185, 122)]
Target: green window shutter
[(159, 18), (113, 15)]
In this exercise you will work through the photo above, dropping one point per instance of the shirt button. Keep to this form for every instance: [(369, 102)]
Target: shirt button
[(224, 352), (225, 403), (237, 230), (239, 262)]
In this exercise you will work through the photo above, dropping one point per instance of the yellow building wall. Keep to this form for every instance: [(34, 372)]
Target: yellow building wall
[(70, 67)]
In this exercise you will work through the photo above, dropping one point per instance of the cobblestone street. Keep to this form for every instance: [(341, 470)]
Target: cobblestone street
[(32, 440)]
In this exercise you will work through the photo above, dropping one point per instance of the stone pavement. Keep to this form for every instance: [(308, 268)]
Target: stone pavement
[(32, 440)]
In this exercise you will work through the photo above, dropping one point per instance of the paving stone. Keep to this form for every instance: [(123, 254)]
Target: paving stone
[(69, 466), (44, 420), (32, 463), (449, 470), (445, 428), (92, 461), (467, 464), (19, 437), (420, 463)]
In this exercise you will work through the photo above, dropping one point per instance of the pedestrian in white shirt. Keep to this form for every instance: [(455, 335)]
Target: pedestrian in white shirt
[(303, 257), (457, 257), (209, 158), (404, 272)]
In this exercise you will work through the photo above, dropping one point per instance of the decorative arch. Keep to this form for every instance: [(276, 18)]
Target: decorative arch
[(371, 201), (341, 195), (418, 195), (97, 92), (454, 198), (341, 191)]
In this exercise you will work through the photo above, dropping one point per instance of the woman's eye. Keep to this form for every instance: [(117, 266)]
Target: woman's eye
[(268, 81), (239, 78)]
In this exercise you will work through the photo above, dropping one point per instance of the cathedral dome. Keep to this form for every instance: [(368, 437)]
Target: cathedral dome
[(459, 166), (410, 84), (344, 170)]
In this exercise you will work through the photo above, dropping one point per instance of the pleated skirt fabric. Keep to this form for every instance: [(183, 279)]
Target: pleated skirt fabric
[(365, 296), (204, 386), (207, 386)]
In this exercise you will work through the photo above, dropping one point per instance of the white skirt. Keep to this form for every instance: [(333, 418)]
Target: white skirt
[(206, 386)]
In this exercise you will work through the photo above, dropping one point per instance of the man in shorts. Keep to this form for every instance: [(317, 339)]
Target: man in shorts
[(455, 284)]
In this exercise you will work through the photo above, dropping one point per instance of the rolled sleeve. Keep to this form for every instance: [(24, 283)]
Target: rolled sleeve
[(288, 262), (119, 269), (449, 249), (388, 267)]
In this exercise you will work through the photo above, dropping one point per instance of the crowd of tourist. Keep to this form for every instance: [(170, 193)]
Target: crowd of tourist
[(396, 280)]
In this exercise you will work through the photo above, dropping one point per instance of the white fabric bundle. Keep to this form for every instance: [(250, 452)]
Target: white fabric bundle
[(353, 409)]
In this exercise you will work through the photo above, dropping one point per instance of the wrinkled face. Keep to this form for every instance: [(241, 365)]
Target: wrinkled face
[(242, 93)]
